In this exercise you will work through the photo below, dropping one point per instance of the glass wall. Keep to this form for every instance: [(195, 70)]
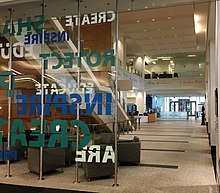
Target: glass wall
[(59, 63), (64, 85)]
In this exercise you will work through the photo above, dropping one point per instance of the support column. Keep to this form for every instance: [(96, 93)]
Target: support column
[(43, 5), (217, 57), (140, 102), (211, 101), (10, 90)]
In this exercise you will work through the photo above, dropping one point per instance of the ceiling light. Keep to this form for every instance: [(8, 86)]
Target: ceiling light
[(146, 7), (153, 19), (198, 27), (138, 21), (191, 55), (145, 30), (158, 29), (164, 57), (129, 9), (196, 18), (169, 18), (173, 28)]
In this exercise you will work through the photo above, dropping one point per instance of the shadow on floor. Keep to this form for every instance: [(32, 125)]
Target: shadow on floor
[(6, 188)]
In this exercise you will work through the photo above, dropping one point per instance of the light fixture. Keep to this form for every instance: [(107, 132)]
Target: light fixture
[(138, 21), (146, 7), (111, 74), (153, 19), (198, 27), (145, 30), (173, 28), (158, 29), (169, 18), (191, 55), (16, 72)]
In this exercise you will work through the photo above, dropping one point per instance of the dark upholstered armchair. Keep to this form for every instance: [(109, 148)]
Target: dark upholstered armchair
[(96, 170), (53, 158), (129, 151)]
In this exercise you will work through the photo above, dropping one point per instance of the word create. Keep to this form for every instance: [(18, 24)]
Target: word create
[(93, 59), (61, 136), (93, 18), (109, 154)]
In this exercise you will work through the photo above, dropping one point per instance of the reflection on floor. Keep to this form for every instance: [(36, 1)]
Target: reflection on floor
[(175, 158)]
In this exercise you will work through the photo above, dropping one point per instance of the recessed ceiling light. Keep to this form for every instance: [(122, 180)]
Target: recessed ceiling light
[(169, 18), (153, 19), (158, 29), (173, 28), (138, 21), (191, 55), (145, 30)]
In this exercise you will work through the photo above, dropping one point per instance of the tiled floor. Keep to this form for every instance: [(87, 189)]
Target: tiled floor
[(175, 157)]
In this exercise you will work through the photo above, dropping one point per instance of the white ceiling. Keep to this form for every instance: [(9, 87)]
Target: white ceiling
[(164, 30)]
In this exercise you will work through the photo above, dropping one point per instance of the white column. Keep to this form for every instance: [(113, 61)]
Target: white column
[(217, 57), (140, 102), (211, 98)]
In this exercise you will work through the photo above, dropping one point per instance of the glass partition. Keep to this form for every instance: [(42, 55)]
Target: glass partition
[(64, 77)]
